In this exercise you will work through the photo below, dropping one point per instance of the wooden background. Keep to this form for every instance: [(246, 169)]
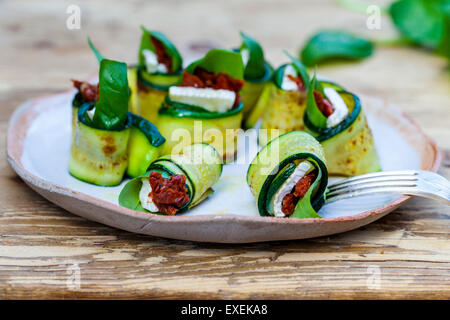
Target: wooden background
[(39, 241)]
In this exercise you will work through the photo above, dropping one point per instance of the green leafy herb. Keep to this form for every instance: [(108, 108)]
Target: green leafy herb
[(148, 129), (129, 196), (171, 50), (220, 61), (96, 52), (327, 45), (255, 67), (420, 21), (111, 109), (312, 110), (444, 46)]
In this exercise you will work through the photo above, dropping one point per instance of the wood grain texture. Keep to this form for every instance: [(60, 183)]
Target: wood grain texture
[(39, 241)]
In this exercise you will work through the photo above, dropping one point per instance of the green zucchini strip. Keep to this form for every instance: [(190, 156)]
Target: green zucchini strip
[(218, 129), (148, 129), (349, 146), (143, 146), (181, 110), (158, 81), (200, 163), (276, 162), (98, 156)]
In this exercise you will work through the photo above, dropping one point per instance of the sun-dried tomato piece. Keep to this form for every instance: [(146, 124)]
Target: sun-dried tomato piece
[(288, 204), (323, 104), (190, 80), (88, 91), (303, 185), (204, 79), (169, 195), (161, 54), (206, 76), (298, 81)]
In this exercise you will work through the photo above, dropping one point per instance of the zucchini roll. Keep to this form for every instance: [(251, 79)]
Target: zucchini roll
[(288, 177), (99, 145), (257, 72), (283, 105), (206, 105), (106, 137), (334, 116), (174, 183), (160, 66)]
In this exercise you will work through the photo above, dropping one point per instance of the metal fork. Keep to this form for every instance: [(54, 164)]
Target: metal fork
[(409, 182)]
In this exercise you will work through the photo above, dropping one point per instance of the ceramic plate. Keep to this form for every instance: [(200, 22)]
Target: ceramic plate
[(38, 145)]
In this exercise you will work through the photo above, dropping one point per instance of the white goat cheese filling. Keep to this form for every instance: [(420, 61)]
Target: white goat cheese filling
[(151, 62), (340, 111), (245, 54), (210, 99), (287, 84), (90, 113), (302, 169), (146, 201)]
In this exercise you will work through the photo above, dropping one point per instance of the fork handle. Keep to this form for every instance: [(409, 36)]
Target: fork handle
[(434, 186)]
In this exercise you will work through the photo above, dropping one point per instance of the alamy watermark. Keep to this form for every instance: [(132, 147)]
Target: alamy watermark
[(73, 21), (73, 281), (373, 21), (226, 142), (373, 281)]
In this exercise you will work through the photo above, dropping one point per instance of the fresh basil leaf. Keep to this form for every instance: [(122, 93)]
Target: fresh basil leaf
[(96, 52), (444, 46), (255, 68), (111, 109), (328, 45), (220, 61), (312, 110), (129, 196), (418, 20), (301, 69), (304, 208), (171, 50), (148, 129)]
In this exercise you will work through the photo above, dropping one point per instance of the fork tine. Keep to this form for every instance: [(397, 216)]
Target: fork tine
[(370, 191), (372, 185), (374, 179), (398, 174)]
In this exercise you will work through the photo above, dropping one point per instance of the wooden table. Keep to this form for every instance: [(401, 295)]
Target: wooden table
[(40, 243)]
